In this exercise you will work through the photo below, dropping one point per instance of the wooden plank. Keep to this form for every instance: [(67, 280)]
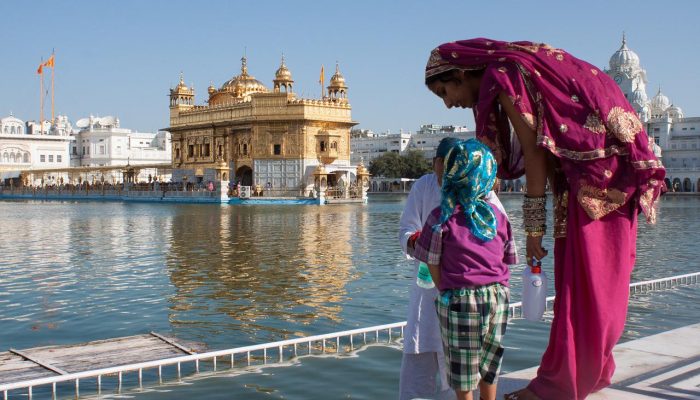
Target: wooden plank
[(172, 342), (116, 345), (112, 360), (19, 376), (39, 361)]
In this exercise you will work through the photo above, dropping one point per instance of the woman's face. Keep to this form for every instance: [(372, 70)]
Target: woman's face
[(460, 90)]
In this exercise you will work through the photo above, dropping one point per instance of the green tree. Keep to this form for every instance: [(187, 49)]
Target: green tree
[(388, 165), (415, 164), (392, 165)]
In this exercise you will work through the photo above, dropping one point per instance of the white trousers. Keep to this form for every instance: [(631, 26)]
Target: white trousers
[(423, 376)]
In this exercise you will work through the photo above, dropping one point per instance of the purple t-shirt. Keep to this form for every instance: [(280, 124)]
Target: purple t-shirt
[(466, 261)]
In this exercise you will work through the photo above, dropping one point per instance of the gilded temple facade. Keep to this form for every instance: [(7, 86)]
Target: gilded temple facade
[(258, 137)]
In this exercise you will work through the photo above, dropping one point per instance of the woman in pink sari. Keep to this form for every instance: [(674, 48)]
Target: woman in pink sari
[(574, 128)]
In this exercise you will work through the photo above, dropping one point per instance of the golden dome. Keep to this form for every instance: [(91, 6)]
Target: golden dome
[(283, 74), (320, 170), (211, 89), (181, 88), (243, 85), (337, 80)]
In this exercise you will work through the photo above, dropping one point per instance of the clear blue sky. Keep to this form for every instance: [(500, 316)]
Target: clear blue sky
[(121, 57)]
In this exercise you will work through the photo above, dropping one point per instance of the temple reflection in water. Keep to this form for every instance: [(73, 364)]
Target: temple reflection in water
[(291, 264)]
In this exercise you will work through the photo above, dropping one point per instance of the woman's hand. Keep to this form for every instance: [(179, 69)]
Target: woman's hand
[(533, 248)]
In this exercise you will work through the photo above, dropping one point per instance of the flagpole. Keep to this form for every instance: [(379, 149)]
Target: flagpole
[(41, 95), (53, 120)]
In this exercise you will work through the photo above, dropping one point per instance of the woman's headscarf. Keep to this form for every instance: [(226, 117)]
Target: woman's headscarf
[(577, 111), (470, 172)]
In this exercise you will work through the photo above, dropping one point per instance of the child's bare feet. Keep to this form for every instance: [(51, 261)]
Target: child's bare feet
[(522, 394)]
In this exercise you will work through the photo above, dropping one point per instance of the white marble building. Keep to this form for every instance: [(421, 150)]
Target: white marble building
[(102, 142), (24, 146), (677, 136), (367, 145)]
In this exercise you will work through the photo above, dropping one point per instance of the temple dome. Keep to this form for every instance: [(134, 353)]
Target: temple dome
[(660, 103), (675, 112), (624, 58), (243, 85), (283, 73), (337, 80)]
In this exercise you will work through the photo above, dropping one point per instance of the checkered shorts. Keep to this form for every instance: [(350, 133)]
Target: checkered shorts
[(472, 323)]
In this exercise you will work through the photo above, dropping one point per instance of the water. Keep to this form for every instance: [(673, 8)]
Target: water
[(230, 276)]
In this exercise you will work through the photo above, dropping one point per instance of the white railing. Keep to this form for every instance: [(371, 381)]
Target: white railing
[(312, 345)]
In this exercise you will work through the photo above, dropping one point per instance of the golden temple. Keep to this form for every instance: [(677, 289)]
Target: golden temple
[(257, 137)]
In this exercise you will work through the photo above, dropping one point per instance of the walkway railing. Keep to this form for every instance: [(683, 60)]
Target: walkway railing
[(278, 352)]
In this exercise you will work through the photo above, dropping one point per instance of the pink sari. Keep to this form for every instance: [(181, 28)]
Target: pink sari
[(608, 173)]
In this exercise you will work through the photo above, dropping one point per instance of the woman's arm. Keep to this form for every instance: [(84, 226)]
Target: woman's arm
[(535, 166)]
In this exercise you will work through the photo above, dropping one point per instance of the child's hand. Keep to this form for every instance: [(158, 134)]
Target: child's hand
[(412, 239)]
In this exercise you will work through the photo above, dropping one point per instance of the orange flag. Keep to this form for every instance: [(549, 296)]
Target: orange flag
[(48, 63), (321, 79)]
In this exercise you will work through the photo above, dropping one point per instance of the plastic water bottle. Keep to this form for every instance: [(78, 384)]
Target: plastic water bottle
[(424, 279), (534, 291)]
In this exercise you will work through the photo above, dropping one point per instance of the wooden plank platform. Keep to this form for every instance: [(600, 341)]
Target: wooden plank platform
[(47, 361)]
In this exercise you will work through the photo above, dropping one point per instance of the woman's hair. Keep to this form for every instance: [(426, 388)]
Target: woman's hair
[(450, 75)]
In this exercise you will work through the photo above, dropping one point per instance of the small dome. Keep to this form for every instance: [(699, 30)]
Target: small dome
[(624, 57), (283, 74), (659, 103), (337, 80), (11, 120), (243, 85), (675, 112), (320, 170), (181, 88), (211, 89)]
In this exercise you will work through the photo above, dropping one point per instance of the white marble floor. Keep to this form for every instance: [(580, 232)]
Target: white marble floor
[(662, 366)]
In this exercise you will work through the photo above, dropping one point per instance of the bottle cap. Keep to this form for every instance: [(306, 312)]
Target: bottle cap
[(536, 269)]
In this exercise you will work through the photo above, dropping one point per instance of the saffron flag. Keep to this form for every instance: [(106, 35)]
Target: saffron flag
[(321, 79), (48, 63)]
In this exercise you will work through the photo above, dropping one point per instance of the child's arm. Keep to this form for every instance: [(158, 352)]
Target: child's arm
[(435, 273)]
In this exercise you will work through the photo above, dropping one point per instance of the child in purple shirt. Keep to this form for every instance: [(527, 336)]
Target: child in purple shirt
[(468, 245)]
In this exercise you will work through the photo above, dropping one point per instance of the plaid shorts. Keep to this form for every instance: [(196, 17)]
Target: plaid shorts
[(472, 323)]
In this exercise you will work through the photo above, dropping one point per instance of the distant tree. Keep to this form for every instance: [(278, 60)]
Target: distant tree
[(392, 165), (415, 164), (388, 165)]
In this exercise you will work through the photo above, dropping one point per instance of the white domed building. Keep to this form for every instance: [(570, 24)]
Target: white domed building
[(23, 146), (676, 137)]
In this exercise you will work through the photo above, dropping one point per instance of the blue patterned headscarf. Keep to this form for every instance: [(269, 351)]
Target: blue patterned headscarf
[(470, 173)]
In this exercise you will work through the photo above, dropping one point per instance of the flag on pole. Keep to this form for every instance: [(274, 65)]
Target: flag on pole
[(321, 79), (48, 63)]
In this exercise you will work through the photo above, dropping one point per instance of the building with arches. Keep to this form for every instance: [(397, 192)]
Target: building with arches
[(258, 137), (25, 146), (676, 137)]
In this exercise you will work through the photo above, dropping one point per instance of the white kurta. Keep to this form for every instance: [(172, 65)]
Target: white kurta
[(422, 332)]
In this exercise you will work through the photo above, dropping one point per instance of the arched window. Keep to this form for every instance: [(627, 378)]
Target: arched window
[(6, 158), (245, 149), (323, 145), (26, 158)]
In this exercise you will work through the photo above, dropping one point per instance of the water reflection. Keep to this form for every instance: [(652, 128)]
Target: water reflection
[(231, 276), (271, 269)]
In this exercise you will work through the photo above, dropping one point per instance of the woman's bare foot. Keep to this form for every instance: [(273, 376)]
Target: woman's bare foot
[(522, 394)]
